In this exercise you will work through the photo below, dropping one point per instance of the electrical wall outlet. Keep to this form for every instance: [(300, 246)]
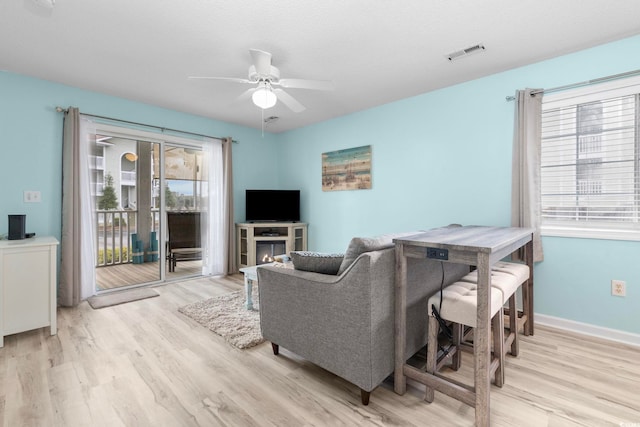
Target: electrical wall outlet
[(32, 197), (618, 288)]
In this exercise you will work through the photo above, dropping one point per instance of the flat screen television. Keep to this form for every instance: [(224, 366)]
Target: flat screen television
[(272, 205)]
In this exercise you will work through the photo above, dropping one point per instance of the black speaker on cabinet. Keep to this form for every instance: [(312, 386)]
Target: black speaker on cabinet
[(16, 227)]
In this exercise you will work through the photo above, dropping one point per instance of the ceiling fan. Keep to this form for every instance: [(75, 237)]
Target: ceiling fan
[(268, 86)]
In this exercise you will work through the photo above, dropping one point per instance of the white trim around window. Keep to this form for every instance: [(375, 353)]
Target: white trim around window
[(590, 168), (604, 231)]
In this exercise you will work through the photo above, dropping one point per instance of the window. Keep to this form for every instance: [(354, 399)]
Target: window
[(590, 167)]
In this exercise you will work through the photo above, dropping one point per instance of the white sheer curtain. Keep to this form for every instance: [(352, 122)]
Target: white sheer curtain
[(213, 260), (77, 264), (525, 189)]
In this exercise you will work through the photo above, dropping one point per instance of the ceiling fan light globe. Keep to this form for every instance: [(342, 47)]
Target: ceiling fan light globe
[(264, 98)]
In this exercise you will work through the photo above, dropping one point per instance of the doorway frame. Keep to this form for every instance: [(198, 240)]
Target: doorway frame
[(163, 140)]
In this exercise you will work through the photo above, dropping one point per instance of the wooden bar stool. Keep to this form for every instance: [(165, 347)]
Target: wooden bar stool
[(459, 305), (523, 276), (508, 277)]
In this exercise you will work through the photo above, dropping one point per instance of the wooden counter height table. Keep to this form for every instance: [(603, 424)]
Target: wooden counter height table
[(481, 246)]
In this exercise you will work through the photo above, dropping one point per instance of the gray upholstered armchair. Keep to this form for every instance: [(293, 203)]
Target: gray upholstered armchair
[(345, 323)]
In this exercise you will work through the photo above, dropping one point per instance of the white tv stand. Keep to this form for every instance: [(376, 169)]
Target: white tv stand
[(250, 234)]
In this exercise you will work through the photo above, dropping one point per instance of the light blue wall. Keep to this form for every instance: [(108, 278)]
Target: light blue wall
[(31, 145), (438, 158), (445, 157)]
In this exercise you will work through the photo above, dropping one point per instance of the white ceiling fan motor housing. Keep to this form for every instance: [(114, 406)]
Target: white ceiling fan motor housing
[(274, 74)]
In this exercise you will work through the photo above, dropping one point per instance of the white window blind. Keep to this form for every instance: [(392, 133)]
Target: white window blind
[(590, 169)]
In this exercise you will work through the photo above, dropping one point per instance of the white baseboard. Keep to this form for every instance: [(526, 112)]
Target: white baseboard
[(587, 329)]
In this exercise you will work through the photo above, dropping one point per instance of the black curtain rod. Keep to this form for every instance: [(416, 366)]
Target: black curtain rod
[(60, 110), (585, 83)]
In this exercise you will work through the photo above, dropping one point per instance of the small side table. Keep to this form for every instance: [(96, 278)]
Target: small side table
[(251, 277)]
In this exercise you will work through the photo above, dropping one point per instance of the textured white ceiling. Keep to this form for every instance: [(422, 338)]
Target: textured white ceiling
[(374, 51)]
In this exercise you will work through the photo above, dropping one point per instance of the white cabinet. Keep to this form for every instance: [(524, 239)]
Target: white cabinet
[(255, 239), (27, 285)]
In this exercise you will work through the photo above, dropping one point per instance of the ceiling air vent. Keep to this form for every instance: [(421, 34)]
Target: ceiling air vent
[(465, 52)]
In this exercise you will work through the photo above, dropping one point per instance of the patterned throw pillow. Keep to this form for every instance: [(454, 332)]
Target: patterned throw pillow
[(316, 262)]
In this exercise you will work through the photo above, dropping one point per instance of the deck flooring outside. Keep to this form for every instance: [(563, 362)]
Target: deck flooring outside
[(117, 276)]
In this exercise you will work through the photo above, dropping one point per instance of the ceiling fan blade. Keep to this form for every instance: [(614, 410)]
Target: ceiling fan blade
[(246, 94), (289, 101), (262, 61), (229, 79), (306, 84)]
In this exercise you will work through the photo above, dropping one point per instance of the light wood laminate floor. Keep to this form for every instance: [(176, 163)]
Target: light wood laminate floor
[(145, 364)]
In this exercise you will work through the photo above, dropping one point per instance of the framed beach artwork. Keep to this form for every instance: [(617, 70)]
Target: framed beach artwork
[(348, 169)]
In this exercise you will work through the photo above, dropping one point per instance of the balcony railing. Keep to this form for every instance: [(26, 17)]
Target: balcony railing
[(114, 229)]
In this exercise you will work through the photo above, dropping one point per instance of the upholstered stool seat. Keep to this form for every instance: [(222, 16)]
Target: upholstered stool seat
[(508, 277), (521, 271), (507, 283), (459, 305), (459, 302), (500, 273)]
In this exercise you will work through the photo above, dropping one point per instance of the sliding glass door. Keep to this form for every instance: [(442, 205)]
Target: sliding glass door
[(150, 204), (185, 208), (126, 222)]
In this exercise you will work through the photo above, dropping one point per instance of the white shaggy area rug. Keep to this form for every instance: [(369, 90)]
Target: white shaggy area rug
[(226, 316)]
